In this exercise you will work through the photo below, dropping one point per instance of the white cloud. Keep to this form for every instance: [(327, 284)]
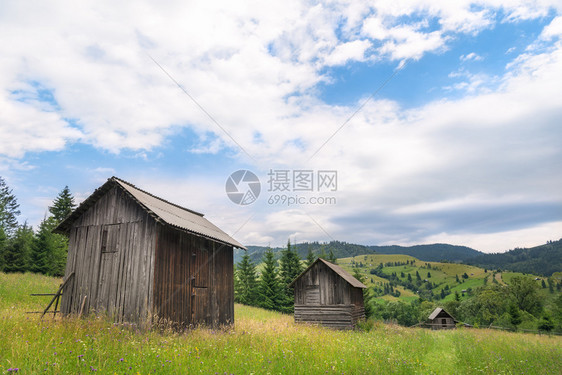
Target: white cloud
[(470, 57), (26, 128), (554, 29), (256, 68), (354, 50)]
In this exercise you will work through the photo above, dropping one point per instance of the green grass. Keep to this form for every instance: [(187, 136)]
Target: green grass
[(260, 342)]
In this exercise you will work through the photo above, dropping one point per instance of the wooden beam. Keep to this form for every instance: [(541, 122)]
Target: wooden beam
[(57, 294)]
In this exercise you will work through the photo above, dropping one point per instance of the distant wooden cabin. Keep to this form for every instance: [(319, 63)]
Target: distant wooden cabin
[(139, 258), (441, 319), (326, 294)]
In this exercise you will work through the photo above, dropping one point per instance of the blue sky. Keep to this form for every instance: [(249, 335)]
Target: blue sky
[(461, 145)]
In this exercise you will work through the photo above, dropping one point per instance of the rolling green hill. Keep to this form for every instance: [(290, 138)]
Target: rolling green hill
[(431, 253), (436, 281)]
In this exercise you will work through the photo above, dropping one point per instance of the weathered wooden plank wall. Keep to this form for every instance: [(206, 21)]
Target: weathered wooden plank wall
[(193, 282), (111, 252)]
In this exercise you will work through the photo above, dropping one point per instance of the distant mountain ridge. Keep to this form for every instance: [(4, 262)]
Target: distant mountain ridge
[(428, 253), (541, 260), (431, 253)]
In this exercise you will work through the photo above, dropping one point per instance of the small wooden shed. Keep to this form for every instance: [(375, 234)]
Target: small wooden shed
[(142, 259), (326, 294), (441, 319)]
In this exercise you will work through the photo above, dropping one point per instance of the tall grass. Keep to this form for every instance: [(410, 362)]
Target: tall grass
[(260, 342)]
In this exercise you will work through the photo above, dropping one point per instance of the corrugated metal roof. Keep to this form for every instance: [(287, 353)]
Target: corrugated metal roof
[(435, 312), (337, 269), (160, 209)]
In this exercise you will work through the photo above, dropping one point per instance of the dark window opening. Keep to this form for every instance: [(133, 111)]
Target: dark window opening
[(104, 241)]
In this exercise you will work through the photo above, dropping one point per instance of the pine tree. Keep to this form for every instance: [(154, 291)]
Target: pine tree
[(270, 295), (49, 250), (514, 314), (42, 248), (310, 258), (247, 281), (8, 209), (2, 248), (332, 257), (63, 205), (18, 250), (323, 254), (290, 268)]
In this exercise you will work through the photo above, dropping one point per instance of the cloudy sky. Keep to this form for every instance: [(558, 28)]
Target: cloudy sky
[(441, 120)]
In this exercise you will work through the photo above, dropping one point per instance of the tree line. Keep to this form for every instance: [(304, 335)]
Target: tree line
[(23, 249)]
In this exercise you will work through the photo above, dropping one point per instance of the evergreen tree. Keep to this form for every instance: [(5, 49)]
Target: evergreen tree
[(63, 205), (514, 315), (18, 250), (42, 247), (323, 254), (290, 268), (357, 274), (270, 295), (49, 250), (2, 248), (310, 258), (332, 257), (247, 281), (8, 209)]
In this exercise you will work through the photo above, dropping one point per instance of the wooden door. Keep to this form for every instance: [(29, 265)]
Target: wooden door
[(108, 268), (200, 307)]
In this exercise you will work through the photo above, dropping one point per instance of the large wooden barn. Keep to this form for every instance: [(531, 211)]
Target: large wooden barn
[(142, 259), (326, 294)]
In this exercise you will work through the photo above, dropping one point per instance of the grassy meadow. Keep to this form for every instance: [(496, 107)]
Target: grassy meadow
[(442, 274), (260, 342)]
